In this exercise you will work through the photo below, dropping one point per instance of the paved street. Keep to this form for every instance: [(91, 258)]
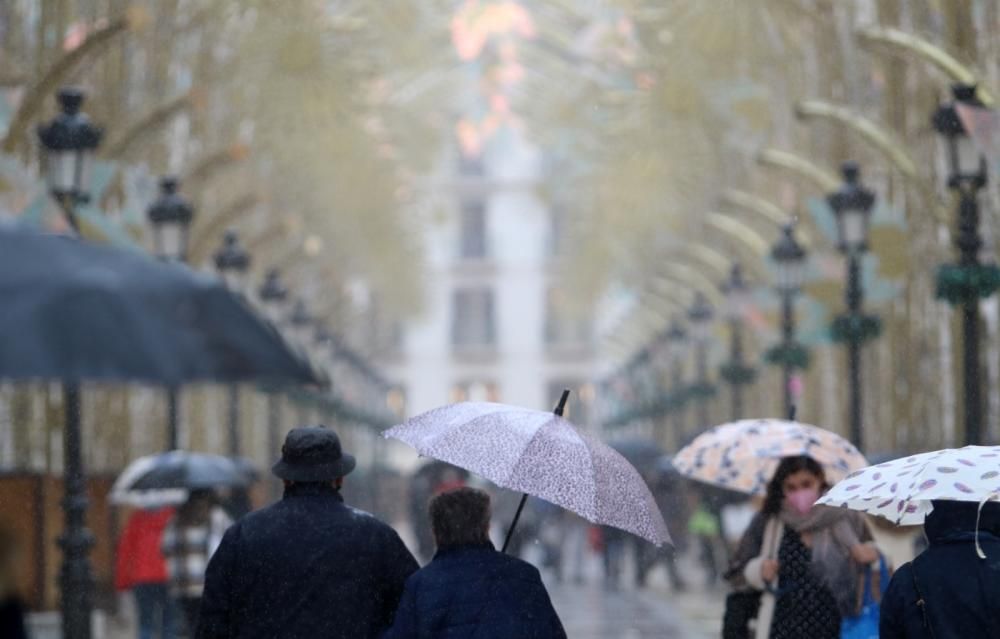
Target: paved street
[(591, 612)]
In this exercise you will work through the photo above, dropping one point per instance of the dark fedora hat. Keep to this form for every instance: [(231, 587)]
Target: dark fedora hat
[(312, 453)]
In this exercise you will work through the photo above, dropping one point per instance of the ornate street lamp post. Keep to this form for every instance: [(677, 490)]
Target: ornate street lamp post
[(171, 215), (700, 317), (302, 327), (790, 259), (272, 295), (232, 262), (852, 205), (68, 142), (736, 371), (677, 345), (965, 283)]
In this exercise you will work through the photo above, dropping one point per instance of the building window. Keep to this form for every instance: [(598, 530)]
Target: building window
[(564, 324), (472, 240), (472, 321), (474, 391)]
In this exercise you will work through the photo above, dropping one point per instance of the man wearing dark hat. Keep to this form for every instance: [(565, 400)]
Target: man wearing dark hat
[(307, 566)]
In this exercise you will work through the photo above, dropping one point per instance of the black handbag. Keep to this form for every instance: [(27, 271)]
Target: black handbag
[(741, 607)]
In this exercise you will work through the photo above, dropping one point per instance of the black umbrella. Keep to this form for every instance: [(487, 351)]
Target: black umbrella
[(75, 311), (79, 311), (189, 471)]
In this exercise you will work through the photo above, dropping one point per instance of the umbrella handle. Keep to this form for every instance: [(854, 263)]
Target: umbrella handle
[(513, 524), (560, 407)]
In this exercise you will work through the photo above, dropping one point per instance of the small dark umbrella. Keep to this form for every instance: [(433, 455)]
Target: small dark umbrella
[(190, 471)]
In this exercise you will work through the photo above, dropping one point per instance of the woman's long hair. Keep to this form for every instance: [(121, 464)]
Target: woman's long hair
[(787, 467)]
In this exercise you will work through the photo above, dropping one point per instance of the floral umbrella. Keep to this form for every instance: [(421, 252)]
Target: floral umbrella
[(742, 456), (901, 490)]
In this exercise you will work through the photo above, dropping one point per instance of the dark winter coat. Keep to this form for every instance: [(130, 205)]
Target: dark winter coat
[(475, 592), (959, 589), (306, 567)]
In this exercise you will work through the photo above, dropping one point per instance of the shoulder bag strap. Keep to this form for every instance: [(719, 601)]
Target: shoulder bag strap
[(921, 602)]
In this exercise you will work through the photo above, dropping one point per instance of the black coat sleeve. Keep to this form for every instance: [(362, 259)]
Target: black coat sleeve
[(217, 600), (397, 566), (892, 624)]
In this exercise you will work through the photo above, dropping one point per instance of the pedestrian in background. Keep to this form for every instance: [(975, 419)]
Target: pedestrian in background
[(190, 539), (470, 589), (807, 561), (141, 569), (11, 607), (308, 566), (952, 589)]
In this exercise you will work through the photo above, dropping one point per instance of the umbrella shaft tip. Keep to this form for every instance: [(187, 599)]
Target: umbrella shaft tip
[(561, 406)]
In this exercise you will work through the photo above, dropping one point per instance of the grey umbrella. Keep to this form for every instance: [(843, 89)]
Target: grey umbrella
[(541, 454)]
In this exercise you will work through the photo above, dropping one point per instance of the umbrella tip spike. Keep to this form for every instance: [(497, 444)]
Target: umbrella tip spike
[(561, 406)]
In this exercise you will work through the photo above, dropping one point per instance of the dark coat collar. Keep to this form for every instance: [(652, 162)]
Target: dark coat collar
[(461, 549), (312, 490)]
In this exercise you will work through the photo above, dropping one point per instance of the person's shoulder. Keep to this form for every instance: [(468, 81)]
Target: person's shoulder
[(516, 567), (368, 520)]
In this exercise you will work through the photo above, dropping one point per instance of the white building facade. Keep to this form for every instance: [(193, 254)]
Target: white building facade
[(497, 326)]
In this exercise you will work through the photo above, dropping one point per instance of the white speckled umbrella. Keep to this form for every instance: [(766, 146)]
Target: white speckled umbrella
[(901, 490), (541, 454)]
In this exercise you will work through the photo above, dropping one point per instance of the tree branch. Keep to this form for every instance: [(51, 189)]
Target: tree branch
[(33, 100), (147, 124)]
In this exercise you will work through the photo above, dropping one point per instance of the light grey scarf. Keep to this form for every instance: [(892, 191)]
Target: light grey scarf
[(833, 532)]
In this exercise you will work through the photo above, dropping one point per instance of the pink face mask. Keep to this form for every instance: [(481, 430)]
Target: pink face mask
[(802, 500)]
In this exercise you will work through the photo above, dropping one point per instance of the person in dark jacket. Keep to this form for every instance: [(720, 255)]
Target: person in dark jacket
[(958, 588), (470, 590), (307, 566)]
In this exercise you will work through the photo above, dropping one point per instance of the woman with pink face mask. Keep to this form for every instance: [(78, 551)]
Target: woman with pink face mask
[(805, 560)]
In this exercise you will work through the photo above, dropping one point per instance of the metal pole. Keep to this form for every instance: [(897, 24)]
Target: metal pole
[(788, 338), (676, 384), (234, 420), (736, 358), (274, 434), (173, 418), (702, 357), (969, 243), (76, 576), (855, 297)]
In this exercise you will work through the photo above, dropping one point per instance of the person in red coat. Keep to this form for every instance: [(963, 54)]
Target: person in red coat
[(142, 569)]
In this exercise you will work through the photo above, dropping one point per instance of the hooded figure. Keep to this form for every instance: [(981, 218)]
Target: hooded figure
[(949, 591), (309, 565)]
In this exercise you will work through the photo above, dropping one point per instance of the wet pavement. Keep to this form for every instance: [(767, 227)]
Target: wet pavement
[(590, 610)]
